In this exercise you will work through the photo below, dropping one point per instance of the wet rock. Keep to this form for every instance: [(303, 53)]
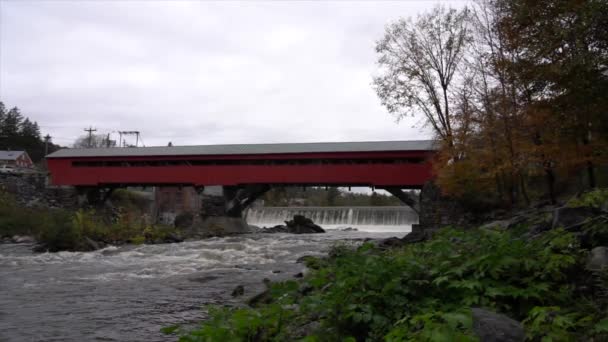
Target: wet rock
[(418, 236), (500, 224), (173, 238), (255, 229), (305, 289), (395, 242), (493, 327), (91, 244), (276, 271), (238, 291), (598, 259), (40, 248), (299, 225), (391, 242), (260, 299), (349, 229), (573, 218), (23, 239), (184, 220), (299, 275)]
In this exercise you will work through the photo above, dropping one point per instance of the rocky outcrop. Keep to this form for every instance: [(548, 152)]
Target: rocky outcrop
[(18, 239), (493, 327), (598, 259), (573, 218), (299, 225)]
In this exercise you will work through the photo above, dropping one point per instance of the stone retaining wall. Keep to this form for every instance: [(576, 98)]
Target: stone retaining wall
[(30, 189)]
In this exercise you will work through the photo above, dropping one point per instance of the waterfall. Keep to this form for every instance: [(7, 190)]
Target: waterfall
[(397, 218)]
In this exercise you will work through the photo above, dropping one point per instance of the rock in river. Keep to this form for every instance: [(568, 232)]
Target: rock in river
[(299, 225)]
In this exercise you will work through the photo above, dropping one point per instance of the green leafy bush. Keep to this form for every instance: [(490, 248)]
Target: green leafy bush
[(595, 198), (424, 292), (58, 229)]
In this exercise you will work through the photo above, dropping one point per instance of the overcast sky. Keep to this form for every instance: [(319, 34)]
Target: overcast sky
[(201, 72)]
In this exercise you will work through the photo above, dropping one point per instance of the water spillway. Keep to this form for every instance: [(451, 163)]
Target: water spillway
[(394, 218)]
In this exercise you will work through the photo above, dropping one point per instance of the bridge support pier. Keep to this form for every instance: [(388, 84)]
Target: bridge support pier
[(239, 198), (406, 198), (93, 196), (222, 208)]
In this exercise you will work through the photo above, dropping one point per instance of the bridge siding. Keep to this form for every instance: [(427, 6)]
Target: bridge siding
[(412, 175)]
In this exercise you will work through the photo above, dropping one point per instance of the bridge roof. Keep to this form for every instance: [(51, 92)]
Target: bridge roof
[(248, 149)]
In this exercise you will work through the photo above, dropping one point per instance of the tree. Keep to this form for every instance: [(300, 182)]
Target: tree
[(95, 141), (564, 45), (11, 123), (419, 62), (30, 129)]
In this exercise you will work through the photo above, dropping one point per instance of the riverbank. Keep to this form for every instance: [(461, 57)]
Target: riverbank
[(58, 229), (538, 274)]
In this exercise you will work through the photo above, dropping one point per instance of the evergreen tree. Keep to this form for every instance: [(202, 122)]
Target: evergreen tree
[(12, 123)]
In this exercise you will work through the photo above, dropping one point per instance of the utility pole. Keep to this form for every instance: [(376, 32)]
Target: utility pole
[(90, 130), (136, 133), (47, 138)]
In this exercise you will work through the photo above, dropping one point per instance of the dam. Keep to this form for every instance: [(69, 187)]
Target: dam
[(369, 218)]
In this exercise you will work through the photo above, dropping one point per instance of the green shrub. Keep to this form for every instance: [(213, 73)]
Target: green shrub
[(424, 292), (59, 230), (595, 198)]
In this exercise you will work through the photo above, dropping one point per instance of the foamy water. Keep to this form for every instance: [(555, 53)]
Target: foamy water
[(128, 293), (368, 219)]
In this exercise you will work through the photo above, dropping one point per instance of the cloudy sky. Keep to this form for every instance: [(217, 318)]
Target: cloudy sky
[(201, 72)]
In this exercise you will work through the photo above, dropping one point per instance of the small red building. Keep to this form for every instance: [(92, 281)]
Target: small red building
[(18, 159)]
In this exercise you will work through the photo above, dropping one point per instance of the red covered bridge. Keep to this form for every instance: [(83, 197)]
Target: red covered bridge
[(404, 164), (246, 171)]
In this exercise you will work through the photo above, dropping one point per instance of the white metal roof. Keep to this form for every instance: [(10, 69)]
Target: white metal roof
[(10, 155), (244, 149)]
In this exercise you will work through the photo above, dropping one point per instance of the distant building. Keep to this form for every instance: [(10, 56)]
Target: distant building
[(16, 159)]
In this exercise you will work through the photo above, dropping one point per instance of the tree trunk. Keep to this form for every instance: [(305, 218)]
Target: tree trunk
[(524, 192), (591, 174), (550, 177)]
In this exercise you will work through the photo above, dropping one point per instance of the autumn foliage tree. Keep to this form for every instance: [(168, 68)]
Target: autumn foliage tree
[(522, 111)]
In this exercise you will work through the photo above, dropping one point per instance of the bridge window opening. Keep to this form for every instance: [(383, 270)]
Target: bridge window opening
[(258, 162)]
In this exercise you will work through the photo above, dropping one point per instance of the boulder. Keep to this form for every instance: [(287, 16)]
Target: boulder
[(23, 239), (413, 237), (493, 327), (91, 244), (173, 238), (299, 225), (184, 220), (391, 242), (573, 218), (303, 225), (223, 225), (238, 291), (598, 259), (500, 224)]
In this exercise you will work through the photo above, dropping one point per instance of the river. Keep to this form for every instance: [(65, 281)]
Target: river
[(128, 293)]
